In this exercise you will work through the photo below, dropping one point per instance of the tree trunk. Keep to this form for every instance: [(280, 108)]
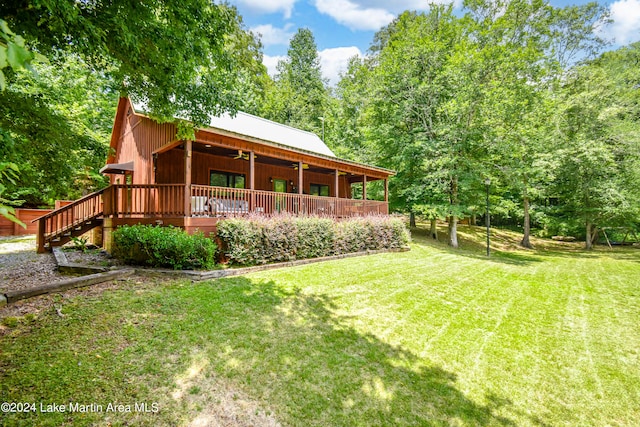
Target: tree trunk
[(527, 221), (588, 244), (473, 220), (433, 231), (453, 219), (412, 219), (453, 231)]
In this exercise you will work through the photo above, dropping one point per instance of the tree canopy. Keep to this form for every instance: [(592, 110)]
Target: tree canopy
[(175, 56), (298, 96)]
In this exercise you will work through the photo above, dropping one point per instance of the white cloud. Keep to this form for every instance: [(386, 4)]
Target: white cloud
[(336, 60), (271, 62), (271, 35), (395, 6), (270, 6), (371, 14), (333, 61), (353, 15), (626, 21)]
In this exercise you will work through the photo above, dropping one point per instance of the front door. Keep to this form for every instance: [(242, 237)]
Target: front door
[(280, 186)]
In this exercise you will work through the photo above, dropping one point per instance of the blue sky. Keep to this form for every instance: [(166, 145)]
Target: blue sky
[(344, 28)]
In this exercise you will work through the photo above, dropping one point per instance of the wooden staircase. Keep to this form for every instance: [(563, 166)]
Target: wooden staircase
[(61, 225)]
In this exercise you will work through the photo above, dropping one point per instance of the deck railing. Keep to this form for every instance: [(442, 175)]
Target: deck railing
[(227, 202), (144, 200), (72, 215), (168, 200), (66, 219)]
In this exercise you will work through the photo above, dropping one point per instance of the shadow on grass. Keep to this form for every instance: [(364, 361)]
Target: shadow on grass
[(506, 249), (295, 352), (471, 248)]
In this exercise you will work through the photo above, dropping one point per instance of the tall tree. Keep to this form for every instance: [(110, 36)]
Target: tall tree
[(190, 59), (425, 110), (13, 55), (299, 96), (599, 143)]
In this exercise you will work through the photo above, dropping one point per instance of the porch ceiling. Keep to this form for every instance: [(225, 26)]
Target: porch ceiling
[(289, 156), (212, 149)]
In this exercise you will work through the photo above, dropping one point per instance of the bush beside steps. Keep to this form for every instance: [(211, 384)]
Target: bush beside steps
[(168, 247)]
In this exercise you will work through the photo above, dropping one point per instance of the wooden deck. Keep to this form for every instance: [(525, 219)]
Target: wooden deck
[(190, 207)]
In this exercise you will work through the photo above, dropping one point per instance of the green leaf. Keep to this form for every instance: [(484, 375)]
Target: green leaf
[(5, 27), (13, 55), (3, 57), (3, 82)]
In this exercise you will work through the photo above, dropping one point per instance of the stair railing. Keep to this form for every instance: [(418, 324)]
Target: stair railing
[(64, 219)]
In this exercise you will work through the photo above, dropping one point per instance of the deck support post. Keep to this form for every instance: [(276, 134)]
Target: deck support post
[(300, 177), (40, 237), (188, 152), (337, 184)]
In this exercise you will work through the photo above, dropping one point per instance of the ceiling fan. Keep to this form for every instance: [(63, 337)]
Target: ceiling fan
[(304, 166), (242, 155)]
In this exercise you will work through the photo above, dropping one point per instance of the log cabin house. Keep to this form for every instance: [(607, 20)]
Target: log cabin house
[(236, 166)]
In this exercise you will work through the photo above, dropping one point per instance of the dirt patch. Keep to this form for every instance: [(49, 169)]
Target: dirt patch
[(91, 257)]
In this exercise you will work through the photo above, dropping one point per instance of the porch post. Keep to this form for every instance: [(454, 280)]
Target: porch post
[(364, 187), (386, 196), (252, 170), (386, 190), (337, 184), (252, 180), (300, 182), (188, 151)]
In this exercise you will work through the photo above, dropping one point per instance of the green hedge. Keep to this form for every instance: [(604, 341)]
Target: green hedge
[(260, 240), (163, 247)]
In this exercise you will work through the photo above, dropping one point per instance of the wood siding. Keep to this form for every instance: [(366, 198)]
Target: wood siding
[(170, 170), (140, 137), (136, 138)]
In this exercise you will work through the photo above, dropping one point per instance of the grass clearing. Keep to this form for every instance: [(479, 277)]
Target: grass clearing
[(427, 337)]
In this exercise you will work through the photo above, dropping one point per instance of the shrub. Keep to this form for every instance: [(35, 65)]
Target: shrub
[(163, 247), (242, 240), (352, 236), (259, 240), (316, 237), (279, 239)]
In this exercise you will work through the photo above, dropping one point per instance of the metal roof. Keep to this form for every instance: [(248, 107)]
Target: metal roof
[(257, 127), (266, 130)]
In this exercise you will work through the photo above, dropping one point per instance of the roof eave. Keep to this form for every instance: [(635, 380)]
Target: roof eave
[(296, 150)]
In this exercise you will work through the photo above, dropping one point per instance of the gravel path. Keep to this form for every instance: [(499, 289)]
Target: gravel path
[(21, 267)]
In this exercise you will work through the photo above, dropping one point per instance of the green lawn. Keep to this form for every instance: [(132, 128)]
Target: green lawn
[(427, 337)]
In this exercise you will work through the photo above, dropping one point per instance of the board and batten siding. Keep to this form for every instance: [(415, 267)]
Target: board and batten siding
[(170, 170), (139, 138)]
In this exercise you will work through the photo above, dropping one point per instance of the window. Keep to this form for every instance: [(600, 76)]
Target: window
[(226, 179), (319, 190)]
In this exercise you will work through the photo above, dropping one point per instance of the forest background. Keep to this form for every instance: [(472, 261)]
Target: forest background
[(519, 94)]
